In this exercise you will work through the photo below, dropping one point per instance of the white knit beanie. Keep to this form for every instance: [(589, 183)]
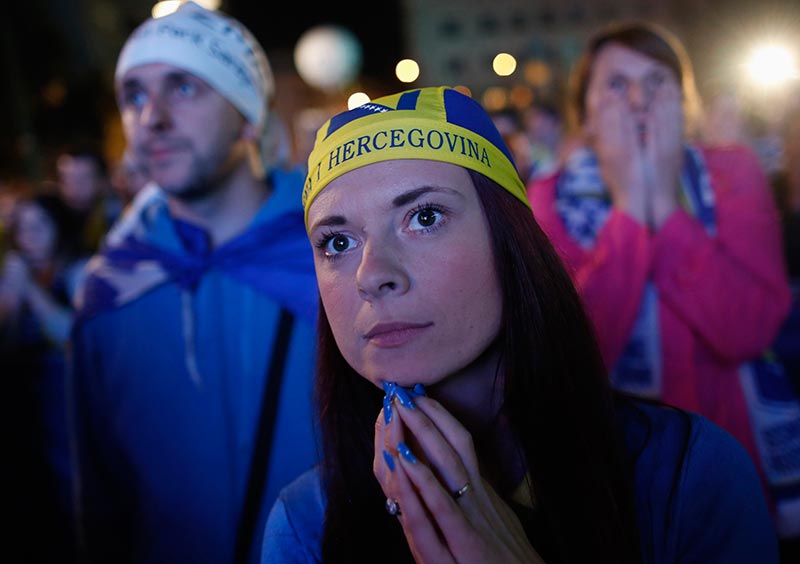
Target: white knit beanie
[(213, 46)]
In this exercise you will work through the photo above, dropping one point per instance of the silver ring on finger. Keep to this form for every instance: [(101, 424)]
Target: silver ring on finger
[(392, 507), (462, 490)]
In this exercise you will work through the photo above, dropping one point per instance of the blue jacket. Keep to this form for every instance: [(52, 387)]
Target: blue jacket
[(698, 498), (169, 359)]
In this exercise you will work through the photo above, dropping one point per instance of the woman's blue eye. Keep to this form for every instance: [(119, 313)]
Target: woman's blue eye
[(336, 243), (617, 83), (655, 79), (425, 218)]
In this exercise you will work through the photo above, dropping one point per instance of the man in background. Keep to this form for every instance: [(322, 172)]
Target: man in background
[(83, 184), (192, 350)]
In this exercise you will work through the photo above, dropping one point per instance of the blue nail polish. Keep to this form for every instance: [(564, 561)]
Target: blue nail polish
[(404, 397), (419, 389), (389, 387), (406, 452), (389, 460), (387, 409)]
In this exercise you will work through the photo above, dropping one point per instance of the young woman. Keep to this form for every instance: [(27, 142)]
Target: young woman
[(39, 274), (675, 248), (456, 365)]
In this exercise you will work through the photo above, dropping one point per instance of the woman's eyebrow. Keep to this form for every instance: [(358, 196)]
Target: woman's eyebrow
[(408, 197), (330, 220), (398, 201)]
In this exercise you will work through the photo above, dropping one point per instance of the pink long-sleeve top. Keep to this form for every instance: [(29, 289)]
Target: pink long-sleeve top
[(721, 298)]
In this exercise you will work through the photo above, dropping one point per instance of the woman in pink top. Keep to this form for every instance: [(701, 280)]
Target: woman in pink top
[(675, 248)]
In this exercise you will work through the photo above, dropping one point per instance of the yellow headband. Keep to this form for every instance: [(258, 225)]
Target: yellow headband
[(436, 123)]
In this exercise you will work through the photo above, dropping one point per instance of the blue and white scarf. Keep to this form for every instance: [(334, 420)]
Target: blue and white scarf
[(584, 204), (273, 256)]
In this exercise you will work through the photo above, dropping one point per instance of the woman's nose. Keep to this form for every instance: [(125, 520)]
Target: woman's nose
[(640, 96), (382, 270)]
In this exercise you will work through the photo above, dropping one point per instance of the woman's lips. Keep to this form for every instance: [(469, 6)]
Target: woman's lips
[(392, 335)]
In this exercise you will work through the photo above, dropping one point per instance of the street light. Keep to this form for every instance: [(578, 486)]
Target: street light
[(771, 66)]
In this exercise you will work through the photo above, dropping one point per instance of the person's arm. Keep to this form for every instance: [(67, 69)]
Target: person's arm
[(721, 513), (54, 318), (13, 280), (732, 289)]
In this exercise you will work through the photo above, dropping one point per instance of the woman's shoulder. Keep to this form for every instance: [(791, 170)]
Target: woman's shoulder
[(697, 490), (655, 429), (293, 531), (306, 487)]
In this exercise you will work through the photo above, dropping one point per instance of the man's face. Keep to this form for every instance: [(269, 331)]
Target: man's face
[(187, 135), (79, 181)]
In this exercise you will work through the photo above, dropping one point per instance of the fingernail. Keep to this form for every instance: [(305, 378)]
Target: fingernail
[(419, 389), (388, 387), (406, 452), (389, 460), (403, 397), (387, 409)]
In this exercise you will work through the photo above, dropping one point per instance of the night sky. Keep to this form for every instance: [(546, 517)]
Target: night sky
[(54, 90), (378, 28)]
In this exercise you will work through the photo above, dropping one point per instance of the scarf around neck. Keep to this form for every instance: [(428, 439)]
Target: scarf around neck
[(584, 205)]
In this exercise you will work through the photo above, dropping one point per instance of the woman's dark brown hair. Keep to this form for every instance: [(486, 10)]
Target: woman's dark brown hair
[(648, 39), (556, 398)]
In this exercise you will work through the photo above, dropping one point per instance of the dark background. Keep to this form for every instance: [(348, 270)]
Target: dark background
[(57, 57)]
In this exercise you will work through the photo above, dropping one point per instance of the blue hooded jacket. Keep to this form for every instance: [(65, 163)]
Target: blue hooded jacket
[(169, 359)]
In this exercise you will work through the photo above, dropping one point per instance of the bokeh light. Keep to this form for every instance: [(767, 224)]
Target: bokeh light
[(495, 98), (504, 64), (407, 70), (521, 96), (537, 73), (357, 99), (328, 57), (165, 8), (771, 65)]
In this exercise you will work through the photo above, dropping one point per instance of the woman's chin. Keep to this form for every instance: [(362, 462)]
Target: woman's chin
[(404, 379)]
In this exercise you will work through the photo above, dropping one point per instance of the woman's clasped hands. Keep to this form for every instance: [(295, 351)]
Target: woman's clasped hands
[(426, 465)]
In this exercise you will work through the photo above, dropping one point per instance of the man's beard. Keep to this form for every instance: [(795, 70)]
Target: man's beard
[(195, 191), (199, 186)]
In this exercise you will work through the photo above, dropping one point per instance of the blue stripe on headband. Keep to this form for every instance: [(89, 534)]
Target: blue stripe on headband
[(344, 118), (467, 113), (408, 101)]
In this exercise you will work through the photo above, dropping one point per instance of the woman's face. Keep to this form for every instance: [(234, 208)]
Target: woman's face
[(626, 74), (35, 232), (405, 270)]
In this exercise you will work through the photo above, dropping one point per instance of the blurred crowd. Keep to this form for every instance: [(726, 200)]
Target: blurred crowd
[(51, 230)]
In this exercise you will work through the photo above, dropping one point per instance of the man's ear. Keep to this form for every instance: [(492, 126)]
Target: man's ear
[(252, 136), (250, 132)]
